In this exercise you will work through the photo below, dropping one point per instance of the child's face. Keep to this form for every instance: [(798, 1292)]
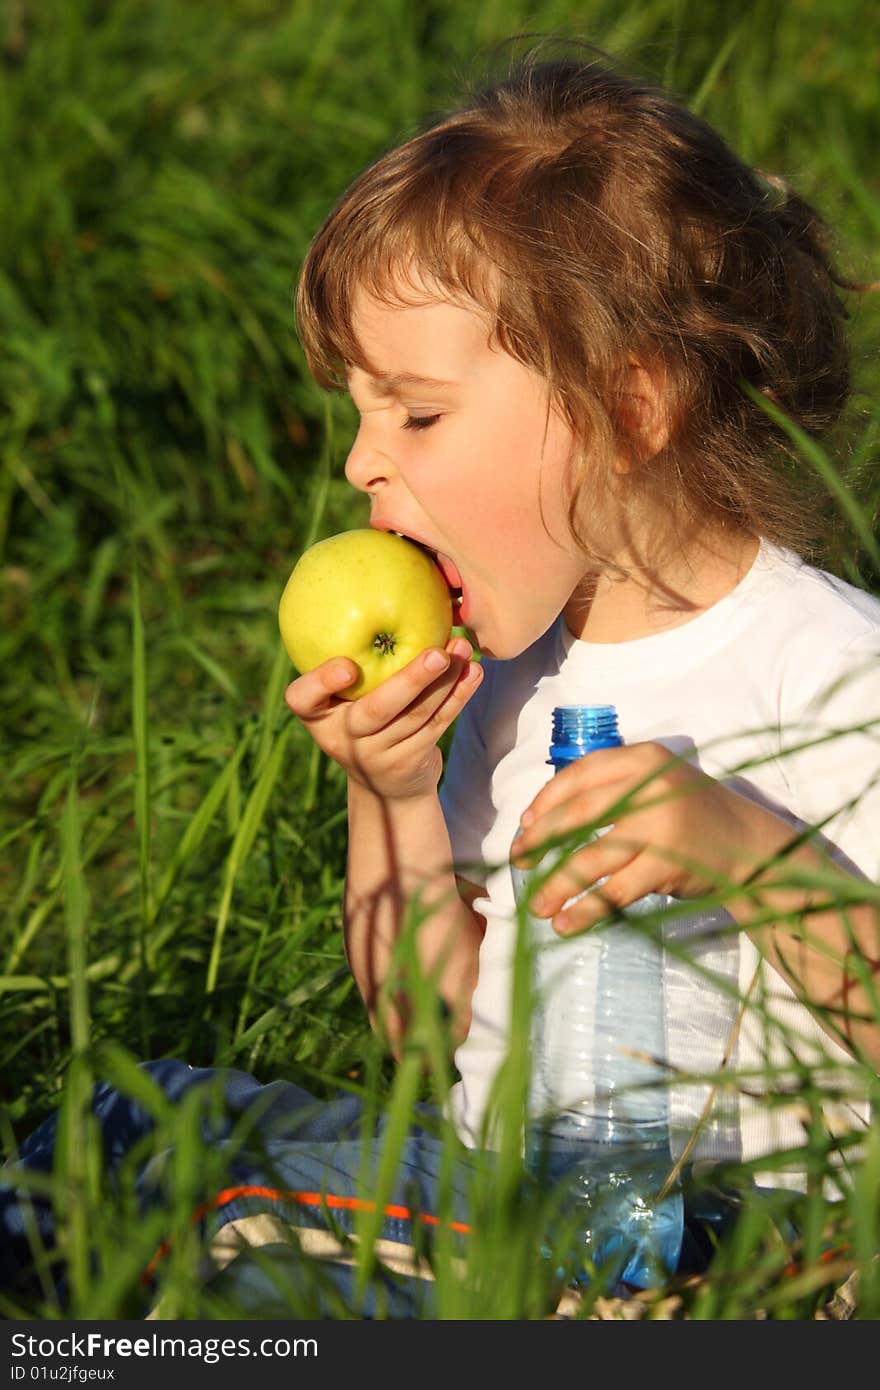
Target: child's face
[(457, 449)]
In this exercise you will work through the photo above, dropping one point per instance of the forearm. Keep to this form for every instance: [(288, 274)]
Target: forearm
[(823, 937), (399, 854)]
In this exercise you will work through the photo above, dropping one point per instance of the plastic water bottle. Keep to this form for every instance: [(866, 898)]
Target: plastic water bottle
[(600, 1115)]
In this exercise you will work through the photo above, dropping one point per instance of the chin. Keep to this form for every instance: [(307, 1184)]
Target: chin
[(502, 651), (506, 646)]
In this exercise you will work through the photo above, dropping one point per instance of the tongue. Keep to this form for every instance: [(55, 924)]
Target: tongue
[(449, 571)]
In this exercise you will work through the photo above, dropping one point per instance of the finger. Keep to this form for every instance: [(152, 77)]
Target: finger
[(310, 695), (587, 812), (460, 647), (563, 805), (630, 885), (372, 713), (435, 711), (577, 873), (625, 768), (432, 711)]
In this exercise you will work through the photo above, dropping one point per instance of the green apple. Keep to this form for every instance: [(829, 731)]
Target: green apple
[(368, 595)]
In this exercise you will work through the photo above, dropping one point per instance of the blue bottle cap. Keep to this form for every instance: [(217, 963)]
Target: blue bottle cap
[(579, 729)]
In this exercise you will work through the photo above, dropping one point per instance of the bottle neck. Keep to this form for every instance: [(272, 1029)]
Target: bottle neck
[(581, 729)]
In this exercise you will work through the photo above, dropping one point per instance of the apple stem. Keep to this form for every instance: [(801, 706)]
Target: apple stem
[(384, 643)]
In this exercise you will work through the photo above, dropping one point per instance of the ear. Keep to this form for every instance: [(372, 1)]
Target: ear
[(642, 413)]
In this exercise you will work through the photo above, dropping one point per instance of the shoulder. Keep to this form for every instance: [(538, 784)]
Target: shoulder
[(820, 627), (823, 600)]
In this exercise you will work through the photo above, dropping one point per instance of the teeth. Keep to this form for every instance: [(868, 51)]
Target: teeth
[(456, 599)]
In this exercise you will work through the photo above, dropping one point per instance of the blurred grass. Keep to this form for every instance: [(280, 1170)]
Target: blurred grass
[(173, 844)]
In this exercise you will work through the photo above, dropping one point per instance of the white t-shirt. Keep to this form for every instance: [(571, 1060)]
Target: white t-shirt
[(750, 691)]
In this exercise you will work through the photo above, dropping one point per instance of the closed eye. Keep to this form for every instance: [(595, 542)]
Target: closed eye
[(419, 422)]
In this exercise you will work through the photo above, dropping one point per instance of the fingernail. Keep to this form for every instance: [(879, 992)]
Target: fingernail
[(436, 661), (526, 819), (342, 673)]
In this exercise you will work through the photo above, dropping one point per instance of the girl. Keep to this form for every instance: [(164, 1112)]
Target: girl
[(559, 313)]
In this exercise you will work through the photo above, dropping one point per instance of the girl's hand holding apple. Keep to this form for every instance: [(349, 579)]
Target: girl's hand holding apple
[(387, 739)]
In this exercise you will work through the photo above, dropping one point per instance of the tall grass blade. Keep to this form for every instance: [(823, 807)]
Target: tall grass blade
[(75, 919), (196, 828), (140, 734), (700, 98), (815, 455), (72, 1155), (251, 820)]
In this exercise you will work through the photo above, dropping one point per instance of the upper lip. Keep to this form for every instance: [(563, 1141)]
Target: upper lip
[(410, 535)]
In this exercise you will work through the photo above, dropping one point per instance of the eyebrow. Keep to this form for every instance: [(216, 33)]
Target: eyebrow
[(386, 384)]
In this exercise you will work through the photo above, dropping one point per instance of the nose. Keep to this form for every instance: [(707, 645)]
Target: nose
[(366, 467)]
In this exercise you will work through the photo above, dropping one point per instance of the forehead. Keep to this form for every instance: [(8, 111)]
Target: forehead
[(430, 337)]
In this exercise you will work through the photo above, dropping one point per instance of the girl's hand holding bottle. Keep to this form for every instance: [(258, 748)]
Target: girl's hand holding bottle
[(672, 830)]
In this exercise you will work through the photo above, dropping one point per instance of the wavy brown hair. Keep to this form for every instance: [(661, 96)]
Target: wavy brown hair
[(600, 221)]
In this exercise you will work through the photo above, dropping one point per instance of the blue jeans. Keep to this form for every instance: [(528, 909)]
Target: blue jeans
[(302, 1162)]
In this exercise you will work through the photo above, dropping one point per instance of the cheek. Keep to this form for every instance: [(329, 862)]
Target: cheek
[(517, 510)]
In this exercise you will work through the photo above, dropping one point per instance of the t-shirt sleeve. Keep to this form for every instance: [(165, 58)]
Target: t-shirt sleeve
[(466, 788), (833, 755)]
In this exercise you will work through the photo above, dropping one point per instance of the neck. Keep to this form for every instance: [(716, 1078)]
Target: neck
[(642, 599)]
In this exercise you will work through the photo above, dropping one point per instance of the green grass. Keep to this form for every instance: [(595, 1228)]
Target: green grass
[(173, 842)]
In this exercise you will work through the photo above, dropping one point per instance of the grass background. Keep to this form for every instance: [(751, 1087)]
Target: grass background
[(173, 845)]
